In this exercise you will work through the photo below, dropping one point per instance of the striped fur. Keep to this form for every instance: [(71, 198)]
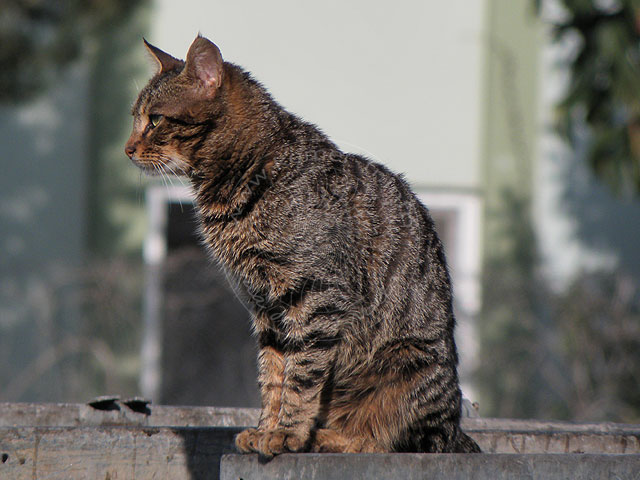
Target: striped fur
[(341, 262)]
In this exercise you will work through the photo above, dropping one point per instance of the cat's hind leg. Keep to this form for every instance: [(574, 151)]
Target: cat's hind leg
[(326, 440)]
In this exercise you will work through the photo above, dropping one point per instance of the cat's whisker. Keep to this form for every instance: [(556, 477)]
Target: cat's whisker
[(169, 168), (173, 170), (159, 170), (173, 174), (140, 201), (165, 177), (170, 175)]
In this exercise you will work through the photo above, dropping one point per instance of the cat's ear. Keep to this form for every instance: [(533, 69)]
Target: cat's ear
[(165, 62), (204, 64)]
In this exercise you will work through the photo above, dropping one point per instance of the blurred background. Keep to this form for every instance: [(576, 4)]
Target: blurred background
[(517, 122)]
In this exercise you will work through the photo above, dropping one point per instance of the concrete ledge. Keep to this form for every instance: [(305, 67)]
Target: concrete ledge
[(140, 453), (431, 466)]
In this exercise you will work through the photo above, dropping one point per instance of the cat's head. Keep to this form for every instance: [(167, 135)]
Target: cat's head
[(175, 109)]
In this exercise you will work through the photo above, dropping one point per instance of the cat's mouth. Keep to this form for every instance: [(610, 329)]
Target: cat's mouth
[(159, 168), (162, 164), (151, 168), (146, 167)]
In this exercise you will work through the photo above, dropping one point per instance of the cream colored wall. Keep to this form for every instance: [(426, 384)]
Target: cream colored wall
[(398, 81)]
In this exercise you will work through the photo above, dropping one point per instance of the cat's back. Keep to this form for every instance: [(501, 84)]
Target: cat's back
[(362, 213)]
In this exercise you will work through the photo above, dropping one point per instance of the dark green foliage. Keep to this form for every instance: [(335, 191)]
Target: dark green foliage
[(603, 92), (38, 37)]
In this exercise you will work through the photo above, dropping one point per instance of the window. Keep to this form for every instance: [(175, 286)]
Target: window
[(457, 216)]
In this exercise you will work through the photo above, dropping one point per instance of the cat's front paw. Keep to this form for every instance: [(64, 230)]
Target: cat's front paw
[(270, 442), (247, 440)]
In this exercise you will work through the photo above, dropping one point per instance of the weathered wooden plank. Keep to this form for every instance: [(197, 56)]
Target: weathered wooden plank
[(194, 452), (67, 453), (430, 466), (555, 442), (79, 441), (517, 425), (66, 414), (532, 437)]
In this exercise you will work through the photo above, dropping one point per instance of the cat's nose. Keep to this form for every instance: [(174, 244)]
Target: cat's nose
[(130, 149)]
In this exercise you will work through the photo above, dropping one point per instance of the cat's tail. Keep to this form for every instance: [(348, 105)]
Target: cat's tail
[(465, 444)]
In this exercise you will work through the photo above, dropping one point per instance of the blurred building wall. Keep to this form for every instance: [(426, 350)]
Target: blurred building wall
[(67, 198), (401, 83), (42, 218)]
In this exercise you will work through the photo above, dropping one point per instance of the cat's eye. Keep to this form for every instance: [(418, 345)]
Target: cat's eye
[(154, 120)]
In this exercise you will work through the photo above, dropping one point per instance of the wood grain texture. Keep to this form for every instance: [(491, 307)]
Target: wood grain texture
[(67, 453), (79, 447)]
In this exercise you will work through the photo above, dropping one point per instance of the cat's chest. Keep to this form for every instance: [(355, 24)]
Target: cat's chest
[(253, 247), (231, 240)]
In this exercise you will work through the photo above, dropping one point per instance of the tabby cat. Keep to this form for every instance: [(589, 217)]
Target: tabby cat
[(341, 262)]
